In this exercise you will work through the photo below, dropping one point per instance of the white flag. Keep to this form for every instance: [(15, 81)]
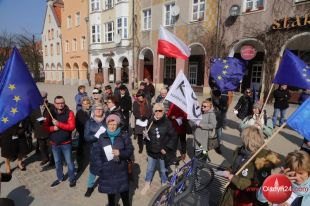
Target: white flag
[(182, 95)]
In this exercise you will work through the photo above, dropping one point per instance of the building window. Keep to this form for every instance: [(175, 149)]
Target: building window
[(69, 22), (58, 48), (49, 35), (45, 50), (52, 34), (77, 19), (94, 5), (83, 42), (198, 10), (108, 4), (170, 70), (52, 50), (49, 19), (193, 73), (95, 31), (253, 5), (147, 19), (67, 46), (122, 27), (109, 31), (74, 45), (169, 19)]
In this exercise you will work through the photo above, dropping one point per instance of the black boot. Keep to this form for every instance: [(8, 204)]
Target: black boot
[(89, 191)]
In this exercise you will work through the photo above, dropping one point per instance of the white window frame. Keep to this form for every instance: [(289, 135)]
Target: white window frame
[(253, 5), (193, 74), (57, 48), (147, 19), (95, 33), (170, 68), (94, 5), (122, 27), (108, 32), (83, 43), (69, 22), (109, 4), (200, 13), (74, 44), (77, 18), (67, 46), (169, 20)]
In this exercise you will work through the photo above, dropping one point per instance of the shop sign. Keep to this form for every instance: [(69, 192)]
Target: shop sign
[(248, 52), (291, 22)]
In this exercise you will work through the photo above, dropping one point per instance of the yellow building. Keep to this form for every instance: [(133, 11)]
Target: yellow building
[(75, 42), (194, 22)]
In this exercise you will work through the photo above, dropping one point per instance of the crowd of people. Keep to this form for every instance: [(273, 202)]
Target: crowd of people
[(105, 133)]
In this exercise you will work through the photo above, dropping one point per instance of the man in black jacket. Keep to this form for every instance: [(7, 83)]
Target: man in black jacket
[(281, 97), (244, 106), (125, 104)]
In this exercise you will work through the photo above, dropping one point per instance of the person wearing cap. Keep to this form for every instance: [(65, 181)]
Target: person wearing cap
[(93, 124), (37, 118), (125, 104), (113, 108), (107, 92), (78, 97), (261, 121), (142, 111), (113, 173)]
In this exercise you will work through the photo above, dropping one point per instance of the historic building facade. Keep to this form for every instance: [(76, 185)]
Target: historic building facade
[(194, 22), (51, 43), (75, 42), (259, 31), (111, 56)]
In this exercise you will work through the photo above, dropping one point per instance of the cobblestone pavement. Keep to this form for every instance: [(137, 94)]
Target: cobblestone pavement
[(35, 182)]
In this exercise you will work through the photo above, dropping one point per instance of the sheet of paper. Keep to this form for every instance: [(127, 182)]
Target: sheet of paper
[(100, 131), (179, 121), (141, 123), (108, 152), (40, 119)]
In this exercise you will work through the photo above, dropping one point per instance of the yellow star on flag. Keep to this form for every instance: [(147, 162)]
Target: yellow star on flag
[(308, 80), (219, 77), (224, 72), (12, 87), (5, 119), (224, 61), (16, 98), (304, 75), (226, 67), (14, 110)]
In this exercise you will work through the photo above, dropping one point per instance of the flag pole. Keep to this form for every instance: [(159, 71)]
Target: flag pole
[(255, 154), (48, 110)]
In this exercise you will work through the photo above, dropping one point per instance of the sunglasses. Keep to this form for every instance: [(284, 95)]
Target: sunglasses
[(158, 110)]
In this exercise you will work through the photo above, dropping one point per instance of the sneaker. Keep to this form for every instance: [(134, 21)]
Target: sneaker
[(55, 183), (89, 191), (145, 188), (72, 184)]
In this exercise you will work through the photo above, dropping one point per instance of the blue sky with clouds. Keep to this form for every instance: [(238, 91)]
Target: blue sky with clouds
[(18, 16)]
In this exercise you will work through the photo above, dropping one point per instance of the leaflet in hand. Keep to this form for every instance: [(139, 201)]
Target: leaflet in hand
[(100, 131), (141, 123), (40, 119), (108, 152)]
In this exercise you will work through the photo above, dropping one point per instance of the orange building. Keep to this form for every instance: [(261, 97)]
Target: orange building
[(75, 42)]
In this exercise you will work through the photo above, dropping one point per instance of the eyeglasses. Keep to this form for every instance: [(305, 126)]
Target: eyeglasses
[(59, 102), (159, 110)]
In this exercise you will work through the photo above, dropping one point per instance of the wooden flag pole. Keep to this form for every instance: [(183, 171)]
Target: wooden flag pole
[(49, 111), (255, 154)]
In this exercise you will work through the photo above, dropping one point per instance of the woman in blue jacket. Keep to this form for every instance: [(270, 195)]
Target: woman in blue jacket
[(112, 165)]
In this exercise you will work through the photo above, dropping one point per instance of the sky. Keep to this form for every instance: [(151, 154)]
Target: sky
[(16, 16)]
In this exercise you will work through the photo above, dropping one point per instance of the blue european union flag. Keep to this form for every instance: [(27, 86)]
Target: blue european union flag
[(227, 73), (19, 94), (300, 120), (293, 71)]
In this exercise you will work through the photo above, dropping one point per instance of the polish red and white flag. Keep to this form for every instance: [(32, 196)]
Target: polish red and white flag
[(171, 46)]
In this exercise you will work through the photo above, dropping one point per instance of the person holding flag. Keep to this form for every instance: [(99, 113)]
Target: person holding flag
[(20, 96)]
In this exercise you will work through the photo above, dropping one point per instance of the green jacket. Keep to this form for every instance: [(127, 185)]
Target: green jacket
[(242, 188)]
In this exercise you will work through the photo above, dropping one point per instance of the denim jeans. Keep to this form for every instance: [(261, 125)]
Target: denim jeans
[(91, 180), (219, 134), (66, 150), (276, 113), (151, 165)]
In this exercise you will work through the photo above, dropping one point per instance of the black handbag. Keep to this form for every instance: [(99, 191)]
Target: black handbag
[(75, 140)]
